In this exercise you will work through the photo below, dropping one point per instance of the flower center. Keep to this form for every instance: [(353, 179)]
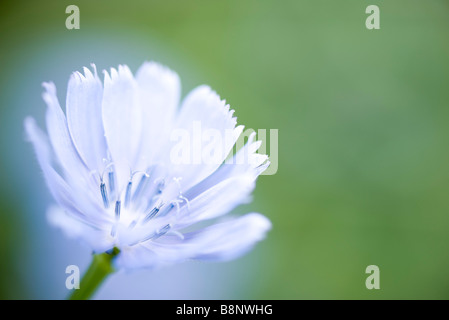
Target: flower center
[(142, 209)]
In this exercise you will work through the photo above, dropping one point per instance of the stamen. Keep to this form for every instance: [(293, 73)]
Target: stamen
[(155, 235), (141, 172), (161, 232), (153, 213), (111, 178), (113, 230), (180, 196), (166, 210), (160, 187), (153, 194), (132, 224), (176, 234), (130, 185), (160, 184), (140, 186), (128, 193), (176, 203), (104, 195), (106, 168), (117, 209)]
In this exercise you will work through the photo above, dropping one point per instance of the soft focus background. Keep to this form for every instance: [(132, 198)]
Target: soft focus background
[(363, 139)]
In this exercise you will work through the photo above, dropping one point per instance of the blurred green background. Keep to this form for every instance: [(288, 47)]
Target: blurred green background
[(363, 139)]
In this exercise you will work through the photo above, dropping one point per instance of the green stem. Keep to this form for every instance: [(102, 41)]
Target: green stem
[(99, 269)]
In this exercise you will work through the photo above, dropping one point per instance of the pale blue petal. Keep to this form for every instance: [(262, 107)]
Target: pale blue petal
[(56, 184), (60, 190), (75, 171), (216, 201), (122, 120), (246, 162), (220, 242), (159, 90), (137, 257), (59, 135), (83, 107), (228, 240), (96, 238), (128, 126), (202, 110)]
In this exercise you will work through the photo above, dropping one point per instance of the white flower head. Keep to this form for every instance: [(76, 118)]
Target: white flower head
[(108, 162)]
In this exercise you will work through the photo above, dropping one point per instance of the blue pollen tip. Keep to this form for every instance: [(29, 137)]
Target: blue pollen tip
[(117, 209), (140, 186), (162, 231), (111, 181), (151, 214), (128, 193), (104, 195)]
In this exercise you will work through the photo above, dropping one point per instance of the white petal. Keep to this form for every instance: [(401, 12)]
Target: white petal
[(215, 201), (136, 257), (220, 242), (75, 171), (59, 134), (228, 240), (58, 187), (203, 111), (83, 107), (245, 163), (61, 141), (159, 90), (122, 120), (97, 239)]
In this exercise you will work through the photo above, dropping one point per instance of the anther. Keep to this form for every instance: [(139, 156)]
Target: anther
[(130, 185), (140, 186), (154, 235), (106, 168), (176, 203), (128, 193), (153, 213), (111, 179), (104, 195), (113, 230), (117, 209), (160, 187), (167, 209), (160, 184), (161, 232), (141, 172)]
